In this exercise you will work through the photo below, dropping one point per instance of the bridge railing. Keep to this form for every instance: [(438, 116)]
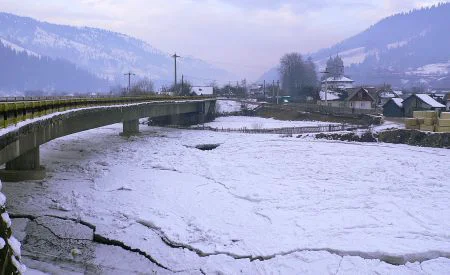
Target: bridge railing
[(16, 109)]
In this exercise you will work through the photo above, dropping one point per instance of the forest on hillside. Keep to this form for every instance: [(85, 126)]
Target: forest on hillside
[(22, 71)]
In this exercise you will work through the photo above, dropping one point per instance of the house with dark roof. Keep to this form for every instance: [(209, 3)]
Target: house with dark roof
[(333, 98), (358, 98), (393, 108), (361, 99), (421, 102)]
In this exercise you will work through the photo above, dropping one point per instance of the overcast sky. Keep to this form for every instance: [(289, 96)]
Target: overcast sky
[(246, 37)]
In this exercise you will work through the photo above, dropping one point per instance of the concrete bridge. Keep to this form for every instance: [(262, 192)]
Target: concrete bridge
[(19, 145)]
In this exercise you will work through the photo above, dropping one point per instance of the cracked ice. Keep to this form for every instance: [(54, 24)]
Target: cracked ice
[(257, 203)]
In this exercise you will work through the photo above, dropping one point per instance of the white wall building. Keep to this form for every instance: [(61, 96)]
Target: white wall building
[(203, 90), (341, 82)]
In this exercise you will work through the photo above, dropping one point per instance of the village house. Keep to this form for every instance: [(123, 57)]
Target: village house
[(421, 102), (332, 98), (393, 108), (383, 96), (361, 99), (334, 83)]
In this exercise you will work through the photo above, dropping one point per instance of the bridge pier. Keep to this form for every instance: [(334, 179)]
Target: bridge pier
[(25, 167), (130, 127)]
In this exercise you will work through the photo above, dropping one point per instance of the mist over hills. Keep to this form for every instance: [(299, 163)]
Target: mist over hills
[(103, 53), (407, 49)]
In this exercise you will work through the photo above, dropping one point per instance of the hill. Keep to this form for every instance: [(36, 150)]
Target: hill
[(23, 71), (406, 49), (104, 53)]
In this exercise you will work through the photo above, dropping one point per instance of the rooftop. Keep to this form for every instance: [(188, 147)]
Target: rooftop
[(338, 79), (430, 101)]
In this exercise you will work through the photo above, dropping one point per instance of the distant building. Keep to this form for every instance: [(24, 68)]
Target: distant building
[(420, 102), (383, 96), (340, 82), (393, 108), (361, 99), (256, 89), (203, 90), (332, 98)]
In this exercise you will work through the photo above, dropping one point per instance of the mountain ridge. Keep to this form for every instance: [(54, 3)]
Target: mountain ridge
[(106, 53), (405, 49)]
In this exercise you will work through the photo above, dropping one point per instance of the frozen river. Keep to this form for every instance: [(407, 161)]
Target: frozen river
[(258, 204)]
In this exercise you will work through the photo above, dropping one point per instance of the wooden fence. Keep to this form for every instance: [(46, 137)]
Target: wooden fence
[(280, 131), (307, 107)]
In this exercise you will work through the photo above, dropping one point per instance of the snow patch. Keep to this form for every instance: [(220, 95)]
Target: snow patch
[(21, 268), (17, 48), (397, 45), (15, 246), (2, 200), (238, 122), (6, 219)]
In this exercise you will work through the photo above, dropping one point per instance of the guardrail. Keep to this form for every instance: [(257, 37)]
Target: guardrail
[(17, 109)]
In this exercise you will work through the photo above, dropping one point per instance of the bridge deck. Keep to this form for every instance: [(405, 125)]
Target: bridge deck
[(17, 109)]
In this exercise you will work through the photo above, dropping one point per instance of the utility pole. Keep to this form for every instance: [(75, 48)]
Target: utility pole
[(264, 89), (278, 91), (129, 74), (326, 73), (273, 88), (182, 83), (175, 56)]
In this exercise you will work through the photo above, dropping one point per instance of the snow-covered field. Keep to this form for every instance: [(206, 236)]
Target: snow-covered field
[(258, 204), (231, 106), (237, 122)]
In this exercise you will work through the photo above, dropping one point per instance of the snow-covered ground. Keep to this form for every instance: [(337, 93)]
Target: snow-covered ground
[(258, 204), (387, 125), (237, 122), (224, 106)]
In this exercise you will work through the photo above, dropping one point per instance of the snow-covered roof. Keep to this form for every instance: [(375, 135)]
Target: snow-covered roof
[(398, 93), (398, 102), (338, 79), (430, 101), (387, 95), (331, 95)]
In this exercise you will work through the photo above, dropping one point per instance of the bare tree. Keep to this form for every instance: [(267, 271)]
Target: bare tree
[(297, 76), (143, 87)]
